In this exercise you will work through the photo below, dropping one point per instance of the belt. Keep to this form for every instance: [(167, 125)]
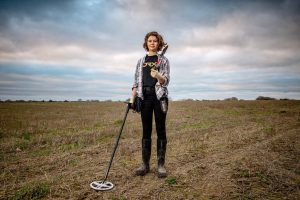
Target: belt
[(148, 89)]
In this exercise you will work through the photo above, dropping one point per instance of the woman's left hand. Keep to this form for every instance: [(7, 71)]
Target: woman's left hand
[(156, 74)]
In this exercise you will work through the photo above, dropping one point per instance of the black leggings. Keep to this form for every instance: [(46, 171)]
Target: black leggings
[(150, 104)]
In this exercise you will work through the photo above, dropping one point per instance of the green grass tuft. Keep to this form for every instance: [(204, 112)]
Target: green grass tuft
[(32, 191), (26, 136), (171, 181), (118, 122)]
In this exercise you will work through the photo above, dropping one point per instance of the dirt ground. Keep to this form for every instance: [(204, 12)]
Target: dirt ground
[(216, 150)]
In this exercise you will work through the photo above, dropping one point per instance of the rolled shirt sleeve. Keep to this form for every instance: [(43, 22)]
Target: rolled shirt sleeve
[(166, 72), (136, 75)]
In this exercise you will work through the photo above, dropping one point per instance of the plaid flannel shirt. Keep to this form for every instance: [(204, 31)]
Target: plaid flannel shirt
[(163, 68)]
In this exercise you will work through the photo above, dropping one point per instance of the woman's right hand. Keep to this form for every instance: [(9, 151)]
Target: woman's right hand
[(134, 93), (131, 100)]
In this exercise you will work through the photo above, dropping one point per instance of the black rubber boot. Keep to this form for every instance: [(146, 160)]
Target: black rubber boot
[(161, 152), (146, 154)]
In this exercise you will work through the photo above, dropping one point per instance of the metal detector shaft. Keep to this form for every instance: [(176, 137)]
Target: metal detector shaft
[(116, 143)]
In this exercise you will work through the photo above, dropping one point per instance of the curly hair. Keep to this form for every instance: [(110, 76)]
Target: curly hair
[(160, 39)]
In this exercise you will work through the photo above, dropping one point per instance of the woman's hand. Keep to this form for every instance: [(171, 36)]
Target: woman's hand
[(131, 100), (155, 74), (134, 92)]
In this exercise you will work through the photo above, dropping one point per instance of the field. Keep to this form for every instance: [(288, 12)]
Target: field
[(216, 150)]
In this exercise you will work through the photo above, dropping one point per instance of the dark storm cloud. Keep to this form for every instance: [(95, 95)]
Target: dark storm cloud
[(111, 24), (27, 24), (33, 9)]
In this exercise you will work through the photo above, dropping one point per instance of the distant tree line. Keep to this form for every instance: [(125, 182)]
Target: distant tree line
[(236, 99), (270, 98), (170, 99), (79, 100)]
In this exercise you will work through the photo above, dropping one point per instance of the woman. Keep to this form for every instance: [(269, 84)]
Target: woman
[(152, 77)]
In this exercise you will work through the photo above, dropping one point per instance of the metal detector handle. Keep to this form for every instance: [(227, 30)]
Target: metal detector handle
[(117, 142), (164, 49), (162, 54)]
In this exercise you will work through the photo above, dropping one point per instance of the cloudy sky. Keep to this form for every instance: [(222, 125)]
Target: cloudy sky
[(88, 49)]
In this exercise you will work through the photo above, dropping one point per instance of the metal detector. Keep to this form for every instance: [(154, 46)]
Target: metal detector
[(106, 185)]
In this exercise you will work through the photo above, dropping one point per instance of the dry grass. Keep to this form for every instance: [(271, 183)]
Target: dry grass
[(216, 150)]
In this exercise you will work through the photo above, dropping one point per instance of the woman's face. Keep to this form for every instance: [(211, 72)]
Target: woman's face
[(152, 43)]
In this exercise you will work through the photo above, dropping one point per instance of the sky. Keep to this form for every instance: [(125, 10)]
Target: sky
[(88, 49)]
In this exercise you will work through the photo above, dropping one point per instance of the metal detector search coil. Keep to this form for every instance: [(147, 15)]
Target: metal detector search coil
[(101, 186)]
